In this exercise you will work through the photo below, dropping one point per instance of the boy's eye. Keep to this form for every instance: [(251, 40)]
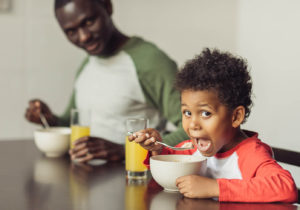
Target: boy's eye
[(205, 114), (187, 113)]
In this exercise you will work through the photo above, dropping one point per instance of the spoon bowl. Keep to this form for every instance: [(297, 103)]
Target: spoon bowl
[(175, 148)]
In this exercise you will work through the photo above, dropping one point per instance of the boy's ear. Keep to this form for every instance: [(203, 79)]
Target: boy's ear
[(238, 116)]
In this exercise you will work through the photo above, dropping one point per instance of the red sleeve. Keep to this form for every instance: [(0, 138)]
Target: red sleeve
[(166, 151), (263, 179)]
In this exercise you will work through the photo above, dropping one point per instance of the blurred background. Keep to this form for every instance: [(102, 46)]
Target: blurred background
[(37, 61)]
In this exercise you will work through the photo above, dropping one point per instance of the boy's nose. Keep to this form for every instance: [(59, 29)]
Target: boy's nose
[(194, 124), (84, 35)]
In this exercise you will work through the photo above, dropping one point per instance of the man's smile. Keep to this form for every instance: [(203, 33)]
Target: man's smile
[(92, 47)]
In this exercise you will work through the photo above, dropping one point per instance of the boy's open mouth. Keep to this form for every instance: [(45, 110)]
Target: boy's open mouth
[(202, 144)]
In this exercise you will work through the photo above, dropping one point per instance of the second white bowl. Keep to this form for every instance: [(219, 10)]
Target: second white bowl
[(54, 141)]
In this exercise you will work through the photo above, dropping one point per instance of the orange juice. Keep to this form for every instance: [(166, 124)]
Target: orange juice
[(134, 157), (77, 132)]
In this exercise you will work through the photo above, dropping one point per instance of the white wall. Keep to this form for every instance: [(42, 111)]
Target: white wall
[(181, 28), (37, 61), (269, 38)]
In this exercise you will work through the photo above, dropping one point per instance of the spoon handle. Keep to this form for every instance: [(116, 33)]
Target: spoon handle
[(44, 121), (166, 145)]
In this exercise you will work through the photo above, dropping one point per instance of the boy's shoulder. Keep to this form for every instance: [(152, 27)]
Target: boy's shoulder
[(253, 148)]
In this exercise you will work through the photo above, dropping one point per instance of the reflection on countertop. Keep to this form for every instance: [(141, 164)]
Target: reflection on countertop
[(58, 183)]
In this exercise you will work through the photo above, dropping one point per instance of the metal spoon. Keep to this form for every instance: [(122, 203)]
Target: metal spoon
[(175, 148), (44, 121), (166, 145)]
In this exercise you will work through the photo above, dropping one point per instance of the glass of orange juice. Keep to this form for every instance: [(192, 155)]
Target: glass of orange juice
[(134, 153), (80, 124)]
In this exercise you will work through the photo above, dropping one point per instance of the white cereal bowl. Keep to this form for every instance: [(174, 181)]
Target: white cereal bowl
[(165, 169), (54, 141)]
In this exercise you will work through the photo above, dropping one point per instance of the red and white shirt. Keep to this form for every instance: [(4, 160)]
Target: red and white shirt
[(246, 173)]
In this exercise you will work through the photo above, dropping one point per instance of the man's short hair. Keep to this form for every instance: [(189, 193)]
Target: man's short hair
[(60, 3)]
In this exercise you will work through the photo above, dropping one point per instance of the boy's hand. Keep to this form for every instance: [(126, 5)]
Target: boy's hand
[(147, 138), (195, 186)]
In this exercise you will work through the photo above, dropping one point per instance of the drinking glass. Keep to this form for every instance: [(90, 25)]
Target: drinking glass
[(80, 124), (134, 153)]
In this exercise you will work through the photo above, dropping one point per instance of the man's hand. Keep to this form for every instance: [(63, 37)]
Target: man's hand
[(34, 109), (88, 148), (194, 186)]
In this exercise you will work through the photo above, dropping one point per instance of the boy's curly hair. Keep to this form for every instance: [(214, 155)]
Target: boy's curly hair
[(221, 72)]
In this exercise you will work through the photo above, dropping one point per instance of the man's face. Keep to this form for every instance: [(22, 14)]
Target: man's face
[(206, 121), (87, 24)]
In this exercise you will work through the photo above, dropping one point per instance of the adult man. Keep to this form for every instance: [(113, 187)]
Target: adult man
[(121, 77)]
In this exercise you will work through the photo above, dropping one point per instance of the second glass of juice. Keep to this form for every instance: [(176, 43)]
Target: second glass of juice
[(134, 153), (80, 124)]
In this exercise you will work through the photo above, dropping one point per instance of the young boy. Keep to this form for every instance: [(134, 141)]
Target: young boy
[(215, 100)]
